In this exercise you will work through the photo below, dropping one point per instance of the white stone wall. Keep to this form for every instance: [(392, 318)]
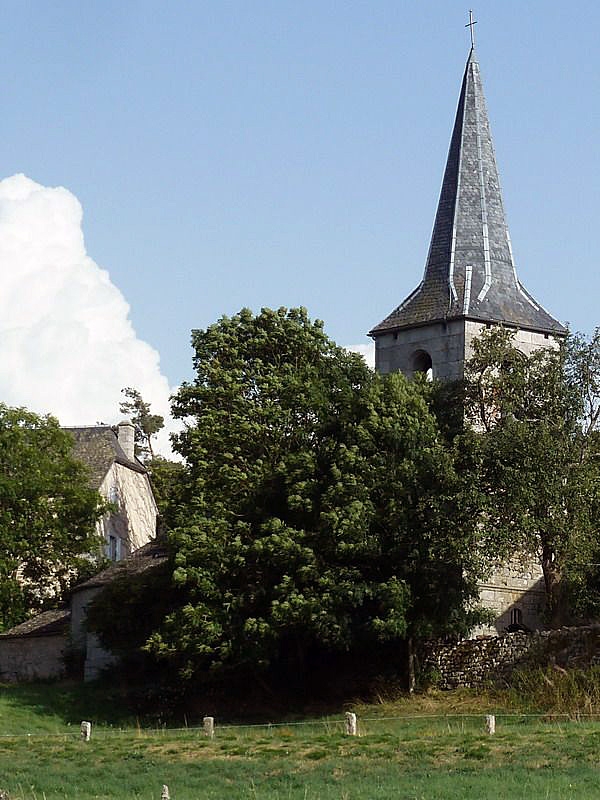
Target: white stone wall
[(525, 341), (134, 521), (84, 642), (443, 341), (97, 659), (79, 603)]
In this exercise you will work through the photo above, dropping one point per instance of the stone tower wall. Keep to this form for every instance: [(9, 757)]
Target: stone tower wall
[(525, 341), (448, 344), (514, 591), (444, 342), (517, 586)]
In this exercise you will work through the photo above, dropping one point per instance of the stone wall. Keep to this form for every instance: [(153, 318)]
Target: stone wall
[(449, 344), (492, 659), (30, 658), (444, 342), (133, 522), (525, 341), (96, 658), (515, 593)]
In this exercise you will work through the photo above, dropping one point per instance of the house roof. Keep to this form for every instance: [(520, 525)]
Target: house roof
[(470, 270), (145, 558), (56, 621), (48, 623), (98, 447)]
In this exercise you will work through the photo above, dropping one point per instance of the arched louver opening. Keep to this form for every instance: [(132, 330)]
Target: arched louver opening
[(421, 362)]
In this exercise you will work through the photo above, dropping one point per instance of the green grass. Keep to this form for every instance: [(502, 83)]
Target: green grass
[(431, 747)]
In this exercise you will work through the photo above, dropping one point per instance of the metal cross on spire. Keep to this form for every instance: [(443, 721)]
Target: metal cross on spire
[(471, 25)]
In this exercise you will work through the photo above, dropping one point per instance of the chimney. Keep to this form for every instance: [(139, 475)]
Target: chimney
[(126, 437)]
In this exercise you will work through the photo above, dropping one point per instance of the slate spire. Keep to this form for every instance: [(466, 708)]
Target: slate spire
[(470, 271)]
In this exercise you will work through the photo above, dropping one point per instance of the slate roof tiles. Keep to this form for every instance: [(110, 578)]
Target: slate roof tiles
[(98, 447), (470, 271)]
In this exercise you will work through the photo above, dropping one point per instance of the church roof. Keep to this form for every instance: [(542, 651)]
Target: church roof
[(470, 270)]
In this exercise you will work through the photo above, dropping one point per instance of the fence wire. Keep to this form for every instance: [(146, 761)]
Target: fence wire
[(327, 723)]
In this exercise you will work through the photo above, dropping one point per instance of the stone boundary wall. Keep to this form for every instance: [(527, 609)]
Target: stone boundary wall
[(32, 658), (492, 659)]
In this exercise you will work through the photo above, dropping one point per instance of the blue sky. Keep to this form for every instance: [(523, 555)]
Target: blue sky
[(231, 154)]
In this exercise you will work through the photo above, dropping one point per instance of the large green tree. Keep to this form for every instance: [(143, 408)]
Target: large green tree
[(582, 366), (534, 418), (322, 510), (47, 513)]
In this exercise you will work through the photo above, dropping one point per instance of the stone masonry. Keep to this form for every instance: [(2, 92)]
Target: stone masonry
[(492, 659)]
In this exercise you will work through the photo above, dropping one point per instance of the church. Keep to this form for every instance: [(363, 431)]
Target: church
[(470, 283)]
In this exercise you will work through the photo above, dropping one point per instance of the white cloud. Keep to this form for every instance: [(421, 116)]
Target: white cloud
[(367, 351), (67, 345)]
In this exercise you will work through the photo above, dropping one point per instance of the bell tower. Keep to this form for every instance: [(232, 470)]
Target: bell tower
[(470, 279), (470, 283)]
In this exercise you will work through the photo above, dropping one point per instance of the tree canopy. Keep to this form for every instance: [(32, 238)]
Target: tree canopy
[(47, 512), (322, 509), (147, 425), (534, 418)]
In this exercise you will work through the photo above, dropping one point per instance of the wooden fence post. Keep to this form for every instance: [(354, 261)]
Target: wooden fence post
[(164, 795), (209, 726), (350, 723), (490, 724)]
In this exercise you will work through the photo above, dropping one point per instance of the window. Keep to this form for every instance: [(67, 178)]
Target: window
[(421, 362), (113, 548), (516, 616)]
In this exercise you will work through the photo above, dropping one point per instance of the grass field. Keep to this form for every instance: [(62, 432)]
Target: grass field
[(429, 747)]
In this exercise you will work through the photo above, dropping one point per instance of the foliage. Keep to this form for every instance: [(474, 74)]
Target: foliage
[(322, 511), (534, 435), (446, 401), (127, 611), (147, 425), (168, 480), (424, 511), (582, 372), (47, 513)]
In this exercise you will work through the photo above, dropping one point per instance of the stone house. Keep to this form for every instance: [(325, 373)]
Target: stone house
[(84, 643), (122, 480), (470, 283), (36, 649)]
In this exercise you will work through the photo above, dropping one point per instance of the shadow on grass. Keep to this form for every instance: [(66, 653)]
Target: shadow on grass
[(70, 701)]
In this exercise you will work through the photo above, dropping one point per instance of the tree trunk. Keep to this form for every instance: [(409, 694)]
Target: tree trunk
[(555, 599)]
